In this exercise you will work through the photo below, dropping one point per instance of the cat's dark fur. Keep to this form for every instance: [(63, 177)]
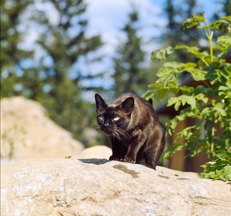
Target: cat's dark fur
[(134, 128)]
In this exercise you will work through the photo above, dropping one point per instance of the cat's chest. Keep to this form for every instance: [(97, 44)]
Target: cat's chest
[(134, 135)]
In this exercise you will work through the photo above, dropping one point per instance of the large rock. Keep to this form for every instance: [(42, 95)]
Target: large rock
[(88, 187), (99, 151), (26, 132)]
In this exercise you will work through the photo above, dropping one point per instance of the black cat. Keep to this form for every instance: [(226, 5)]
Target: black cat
[(134, 128)]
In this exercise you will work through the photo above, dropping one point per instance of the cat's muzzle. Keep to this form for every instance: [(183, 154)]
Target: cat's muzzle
[(107, 130)]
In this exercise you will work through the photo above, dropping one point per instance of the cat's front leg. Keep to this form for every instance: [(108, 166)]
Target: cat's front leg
[(119, 150), (134, 147), (129, 159)]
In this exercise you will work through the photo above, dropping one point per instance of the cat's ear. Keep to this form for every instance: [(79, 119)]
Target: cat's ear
[(128, 105), (100, 103)]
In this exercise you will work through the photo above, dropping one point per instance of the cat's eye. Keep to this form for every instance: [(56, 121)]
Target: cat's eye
[(101, 118), (116, 118)]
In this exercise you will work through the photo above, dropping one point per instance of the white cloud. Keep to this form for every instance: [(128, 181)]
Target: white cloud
[(107, 17), (49, 9)]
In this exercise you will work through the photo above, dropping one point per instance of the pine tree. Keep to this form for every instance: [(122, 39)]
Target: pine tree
[(129, 75), (11, 54), (177, 12), (226, 9), (66, 44)]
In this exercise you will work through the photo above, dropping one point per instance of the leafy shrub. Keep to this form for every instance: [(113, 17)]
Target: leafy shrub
[(219, 168), (209, 104)]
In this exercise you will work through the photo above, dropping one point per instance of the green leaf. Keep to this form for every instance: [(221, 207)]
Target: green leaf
[(180, 117), (202, 97), (205, 112), (197, 74), (191, 101), (170, 69), (173, 123), (225, 41), (219, 48), (227, 172), (156, 86), (172, 101), (219, 108), (194, 50), (224, 88), (160, 90), (68, 157), (173, 87), (149, 94), (182, 99), (162, 53), (194, 21), (185, 89), (177, 105), (168, 73), (162, 93), (177, 66), (223, 24)]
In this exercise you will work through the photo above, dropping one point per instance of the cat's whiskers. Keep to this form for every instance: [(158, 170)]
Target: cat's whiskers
[(115, 134), (98, 128), (121, 133)]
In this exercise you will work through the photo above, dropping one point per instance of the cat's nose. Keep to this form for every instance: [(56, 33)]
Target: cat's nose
[(106, 124)]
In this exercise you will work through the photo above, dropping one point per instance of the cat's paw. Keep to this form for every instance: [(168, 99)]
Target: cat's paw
[(129, 160), (114, 158)]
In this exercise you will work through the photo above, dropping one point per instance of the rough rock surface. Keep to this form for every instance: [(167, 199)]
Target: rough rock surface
[(88, 187), (26, 132)]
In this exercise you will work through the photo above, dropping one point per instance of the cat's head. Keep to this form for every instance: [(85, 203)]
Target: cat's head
[(114, 119)]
